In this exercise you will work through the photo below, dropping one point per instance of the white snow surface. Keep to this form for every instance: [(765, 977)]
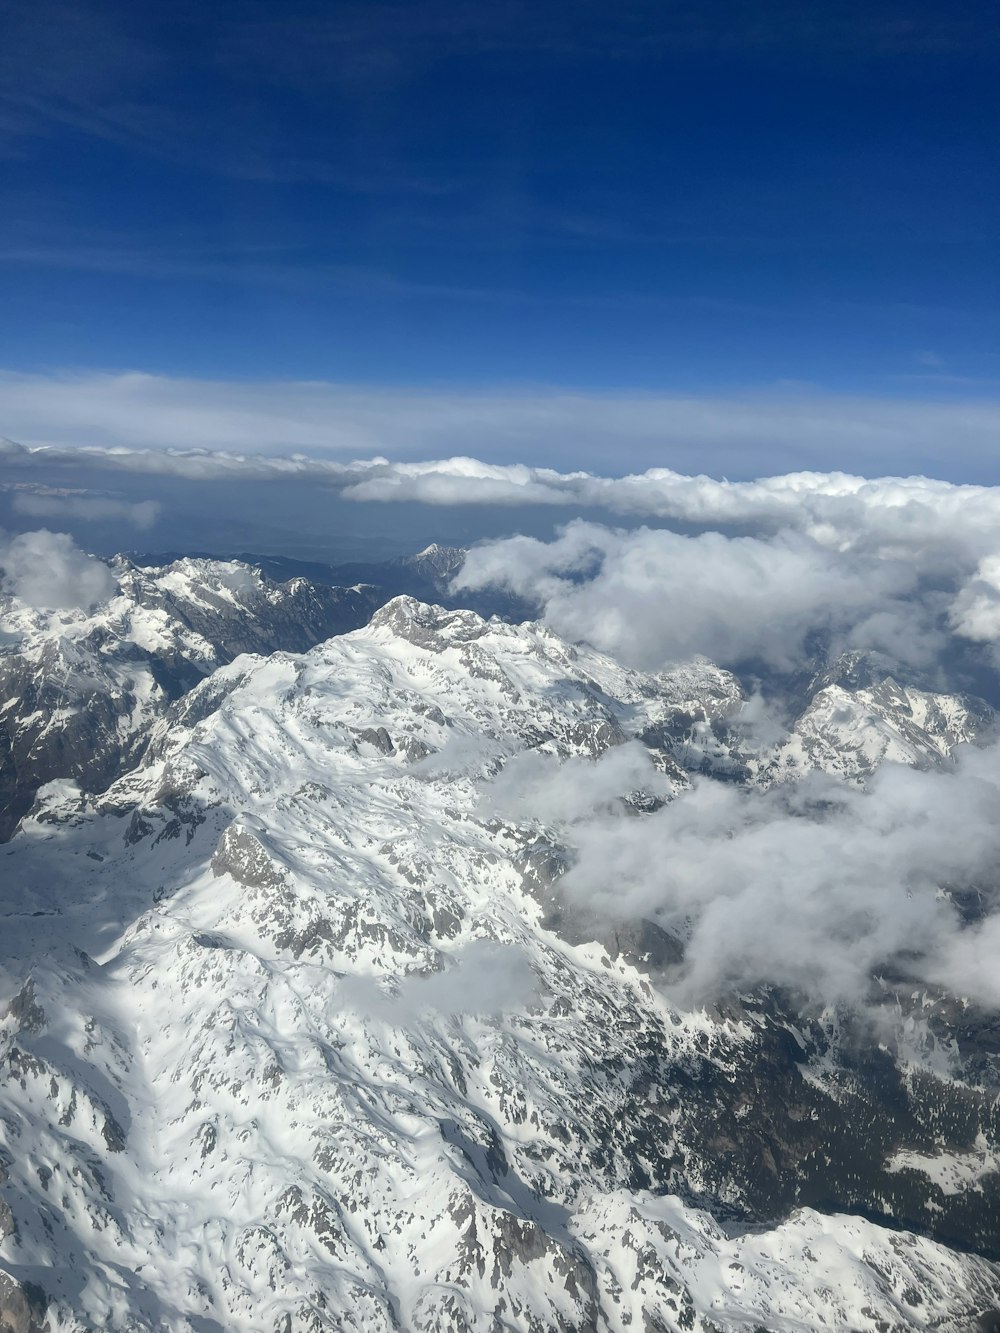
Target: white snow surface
[(850, 733), (213, 1116), (81, 688)]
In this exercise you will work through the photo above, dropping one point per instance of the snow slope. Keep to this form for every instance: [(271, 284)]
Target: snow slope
[(79, 689), (293, 1044)]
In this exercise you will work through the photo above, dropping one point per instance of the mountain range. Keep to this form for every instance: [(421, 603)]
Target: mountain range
[(308, 1026)]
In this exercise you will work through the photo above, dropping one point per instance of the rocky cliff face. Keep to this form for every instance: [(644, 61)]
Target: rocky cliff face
[(306, 1032)]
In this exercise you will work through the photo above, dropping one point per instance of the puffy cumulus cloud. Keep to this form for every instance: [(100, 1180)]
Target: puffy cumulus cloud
[(940, 531), (461, 754), (142, 515), (969, 959), (811, 885), (931, 523), (47, 570), (652, 597), (484, 978), (975, 612), (459, 481)]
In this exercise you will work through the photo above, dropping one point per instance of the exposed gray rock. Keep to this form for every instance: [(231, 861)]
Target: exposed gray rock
[(22, 1307)]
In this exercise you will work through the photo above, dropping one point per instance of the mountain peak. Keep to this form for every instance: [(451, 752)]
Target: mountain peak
[(427, 624), (440, 562)]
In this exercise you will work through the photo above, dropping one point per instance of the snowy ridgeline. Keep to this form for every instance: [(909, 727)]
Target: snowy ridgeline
[(81, 691), (311, 1030)]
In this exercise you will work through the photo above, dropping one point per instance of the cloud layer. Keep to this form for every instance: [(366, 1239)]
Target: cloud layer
[(89, 509), (892, 563), (741, 434), (914, 515), (652, 597)]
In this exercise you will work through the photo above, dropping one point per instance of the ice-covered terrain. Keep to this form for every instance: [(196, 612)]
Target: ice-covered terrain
[(79, 689), (303, 1033)]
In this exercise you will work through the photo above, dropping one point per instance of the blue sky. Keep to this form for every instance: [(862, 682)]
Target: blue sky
[(639, 195)]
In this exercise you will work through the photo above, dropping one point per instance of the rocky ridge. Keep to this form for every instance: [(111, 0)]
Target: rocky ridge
[(80, 690)]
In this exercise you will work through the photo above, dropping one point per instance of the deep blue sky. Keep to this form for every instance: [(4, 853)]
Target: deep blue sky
[(637, 193)]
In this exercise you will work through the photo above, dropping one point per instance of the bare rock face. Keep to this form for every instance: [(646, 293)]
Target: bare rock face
[(22, 1304), (22, 1307), (242, 856)]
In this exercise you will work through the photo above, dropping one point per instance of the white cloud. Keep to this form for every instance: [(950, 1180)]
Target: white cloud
[(186, 464), (975, 613), (652, 597), (924, 519), (966, 962), (482, 977), (460, 754), (534, 785), (45, 569), (142, 515), (742, 434), (813, 885), (829, 550)]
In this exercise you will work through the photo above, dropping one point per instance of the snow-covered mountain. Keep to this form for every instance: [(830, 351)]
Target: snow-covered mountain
[(303, 1033), (79, 690), (425, 574), (850, 718), (852, 732)]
